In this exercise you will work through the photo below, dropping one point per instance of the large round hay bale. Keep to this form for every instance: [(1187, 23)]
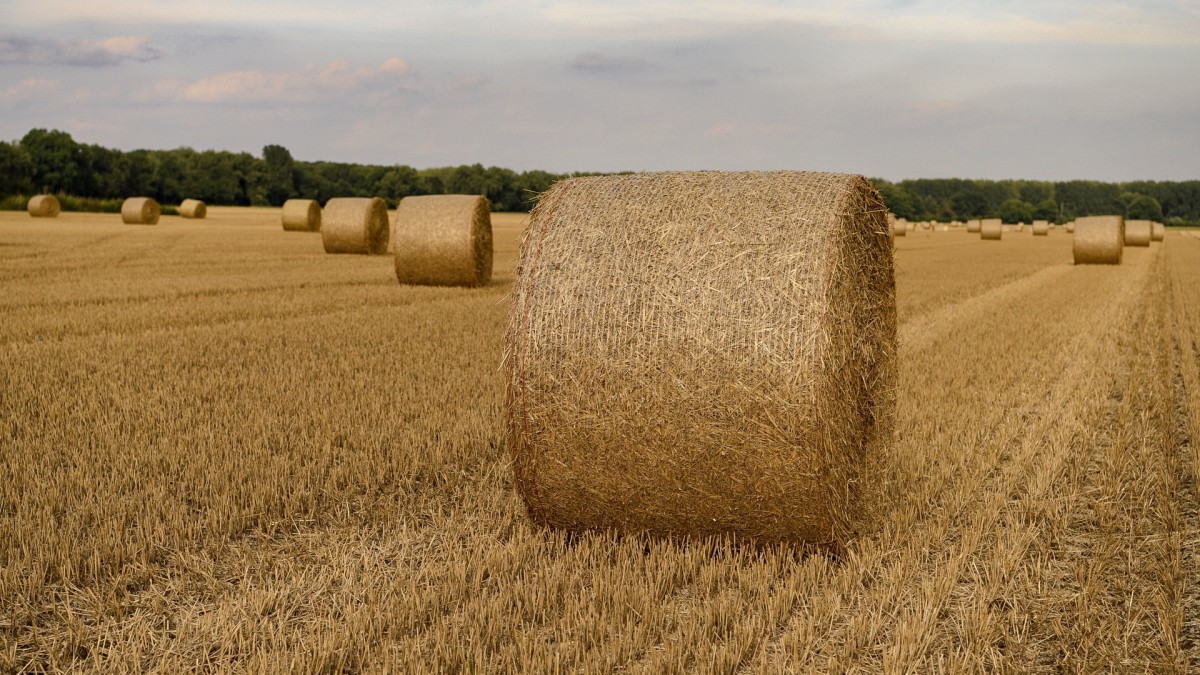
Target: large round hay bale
[(1158, 231), (43, 206), (701, 353), (1099, 240), (1138, 232), (301, 215), (991, 228), (443, 240), (140, 211), (355, 225), (193, 208), (1041, 228), (974, 226)]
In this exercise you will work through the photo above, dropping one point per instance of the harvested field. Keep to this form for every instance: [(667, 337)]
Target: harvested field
[(226, 450)]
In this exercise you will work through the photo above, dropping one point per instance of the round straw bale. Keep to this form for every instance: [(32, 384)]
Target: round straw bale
[(991, 228), (1099, 240), (1041, 228), (355, 225), (973, 226), (301, 215), (443, 240), (898, 226), (193, 208), (926, 225), (1138, 232), (140, 211), (1158, 231), (1070, 227), (44, 206), (701, 353)]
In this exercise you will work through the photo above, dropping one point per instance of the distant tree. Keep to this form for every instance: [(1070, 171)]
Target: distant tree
[(1015, 211), (16, 170), (1142, 207), (1047, 209), (969, 203), (56, 160), (897, 199), (281, 179)]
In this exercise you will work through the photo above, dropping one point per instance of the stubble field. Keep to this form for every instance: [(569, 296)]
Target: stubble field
[(222, 448)]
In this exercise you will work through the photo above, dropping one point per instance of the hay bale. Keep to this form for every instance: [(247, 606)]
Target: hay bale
[(193, 208), (1099, 240), (1070, 227), (926, 225), (974, 226), (443, 240), (355, 225), (701, 353), (140, 211), (898, 226), (43, 206), (1138, 232), (1041, 228), (301, 215), (1020, 227), (1158, 231), (991, 228)]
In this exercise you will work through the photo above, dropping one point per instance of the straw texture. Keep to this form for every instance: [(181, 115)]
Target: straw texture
[(1099, 240), (1041, 228), (1158, 231), (973, 226), (139, 211), (193, 208), (701, 353), (991, 228), (43, 206), (443, 240), (301, 215), (355, 225), (1138, 232)]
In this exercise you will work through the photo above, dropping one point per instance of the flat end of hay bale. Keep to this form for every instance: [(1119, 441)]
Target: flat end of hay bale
[(140, 211), (44, 206), (443, 240), (1099, 240), (355, 225), (301, 215), (704, 353)]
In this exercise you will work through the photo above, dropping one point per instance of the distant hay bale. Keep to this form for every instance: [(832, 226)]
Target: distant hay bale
[(355, 225), (44, 206), (1099, 240), (1158, 232), (301, 215), (973, 226), (1070, 227), (140, 211), (1138, 232), (991, 228), (926, 225), (899, 226), (1041, 228), (1020, 227), (703, 353), (443, 240), (193, 208)]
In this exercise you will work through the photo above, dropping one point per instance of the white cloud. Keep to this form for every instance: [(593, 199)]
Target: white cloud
[(306, 84), (22, 51), (28, 89)]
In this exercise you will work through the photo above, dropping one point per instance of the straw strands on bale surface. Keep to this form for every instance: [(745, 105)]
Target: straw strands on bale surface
[(355, 225), (443, 240), (1157, 231), (991, 228), (43, 206), (973, 226), (1138, 232), (193, 208), (1041, 228), (698, 353), (301, 215), (139, 211), (1099, 240)]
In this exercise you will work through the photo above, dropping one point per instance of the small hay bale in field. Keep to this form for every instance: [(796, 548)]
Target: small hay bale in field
[(973, 226), (301, 215), (1138, 232), (1158, 231), (991, 228), (443, 240), (1070, 227), (704, 353), (1020, 227), (140, 211), (925, 225), (898, 226), (193, 208), (44, 206), (1041, 228), (355, 225), (1099, 240)]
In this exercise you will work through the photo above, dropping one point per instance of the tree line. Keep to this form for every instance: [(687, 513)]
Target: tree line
[(52, 161)]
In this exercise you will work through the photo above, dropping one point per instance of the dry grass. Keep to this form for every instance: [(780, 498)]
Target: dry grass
[(197, 474)]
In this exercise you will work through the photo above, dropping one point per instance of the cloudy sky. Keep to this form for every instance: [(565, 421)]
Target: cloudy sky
[(1046, 89)]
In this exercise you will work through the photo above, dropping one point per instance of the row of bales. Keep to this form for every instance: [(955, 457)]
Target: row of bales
[(134, 210)]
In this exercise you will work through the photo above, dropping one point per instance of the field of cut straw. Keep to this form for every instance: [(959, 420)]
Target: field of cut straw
[(221, 448)]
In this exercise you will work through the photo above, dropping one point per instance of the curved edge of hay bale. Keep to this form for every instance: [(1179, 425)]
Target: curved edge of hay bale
[(991, 229), (443, 240), (1158, 231), (1138, 232), (43, 206), (193, 208), (1099, 240), (754, 313), (301, 215), (355, 225), (140, 211)]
